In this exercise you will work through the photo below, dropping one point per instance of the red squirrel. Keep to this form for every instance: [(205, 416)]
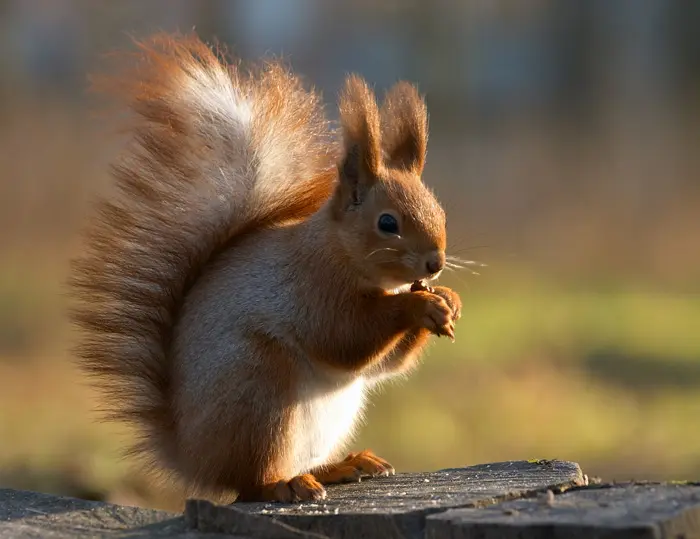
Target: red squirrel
[(252, 278)]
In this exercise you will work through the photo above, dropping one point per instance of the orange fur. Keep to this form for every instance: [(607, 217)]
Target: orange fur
[(239, 291), (352, 468)]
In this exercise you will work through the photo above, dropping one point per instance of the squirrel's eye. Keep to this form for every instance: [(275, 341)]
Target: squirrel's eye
[(388, 224)]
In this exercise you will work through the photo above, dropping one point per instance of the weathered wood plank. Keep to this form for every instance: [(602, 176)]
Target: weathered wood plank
[(487, 501), (25, 515), (624, 511), (395, 507)]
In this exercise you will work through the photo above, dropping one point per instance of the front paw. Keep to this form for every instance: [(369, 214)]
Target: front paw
[(435, 314), (452, 299)]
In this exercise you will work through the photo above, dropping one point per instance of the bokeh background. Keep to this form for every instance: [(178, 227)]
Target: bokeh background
[(565, 143)]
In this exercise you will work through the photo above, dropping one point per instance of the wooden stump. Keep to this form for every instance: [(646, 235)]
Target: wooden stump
[(527, 500), (391, 507)]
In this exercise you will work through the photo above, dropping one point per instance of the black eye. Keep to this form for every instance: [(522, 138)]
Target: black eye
[(388, 224)]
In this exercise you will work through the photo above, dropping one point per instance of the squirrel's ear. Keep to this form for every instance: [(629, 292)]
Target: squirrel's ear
[(404, 121), (359, 118)]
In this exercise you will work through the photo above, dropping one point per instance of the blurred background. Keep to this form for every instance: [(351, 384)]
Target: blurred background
[(565, 143)]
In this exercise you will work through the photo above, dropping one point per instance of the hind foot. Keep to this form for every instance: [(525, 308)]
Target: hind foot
[(353, 468), (302, 488)]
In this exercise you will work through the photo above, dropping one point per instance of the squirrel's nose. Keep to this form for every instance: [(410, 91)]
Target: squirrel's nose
[(435, 262)]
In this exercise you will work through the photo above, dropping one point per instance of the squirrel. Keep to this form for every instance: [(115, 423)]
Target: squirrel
[(255, 274)]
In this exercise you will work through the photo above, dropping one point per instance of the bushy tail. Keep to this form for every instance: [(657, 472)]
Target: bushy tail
[(214, 152)]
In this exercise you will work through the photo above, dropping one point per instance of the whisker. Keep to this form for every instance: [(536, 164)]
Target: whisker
[(452, 266), (458, 277), (380, 249), (458, 260), (458, 249), (459, 267)]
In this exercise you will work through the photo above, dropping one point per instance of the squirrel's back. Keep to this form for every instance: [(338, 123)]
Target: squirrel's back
[(214, 152)]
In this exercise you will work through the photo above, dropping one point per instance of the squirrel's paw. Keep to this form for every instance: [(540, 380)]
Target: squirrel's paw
[(437, 315), (302, 488), (353, 468), (369, 463), (307, 488), (452, 299), (339, 473)]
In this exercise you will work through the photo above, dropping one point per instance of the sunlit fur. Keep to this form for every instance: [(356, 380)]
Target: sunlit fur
[(236, 297), (391, 261)]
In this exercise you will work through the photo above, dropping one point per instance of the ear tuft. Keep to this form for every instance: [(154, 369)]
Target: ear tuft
[(359, 117), (404, 122)]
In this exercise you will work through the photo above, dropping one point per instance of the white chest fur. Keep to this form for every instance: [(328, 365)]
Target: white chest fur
[(324, 420)]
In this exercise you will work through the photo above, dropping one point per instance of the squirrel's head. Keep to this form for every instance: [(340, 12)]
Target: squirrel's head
[(388, 221)]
